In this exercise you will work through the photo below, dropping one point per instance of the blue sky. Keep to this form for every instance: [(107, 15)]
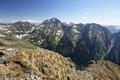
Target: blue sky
[(77, 11)]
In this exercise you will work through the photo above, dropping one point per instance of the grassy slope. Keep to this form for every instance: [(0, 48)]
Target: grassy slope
[(13, 42), (41, 64)]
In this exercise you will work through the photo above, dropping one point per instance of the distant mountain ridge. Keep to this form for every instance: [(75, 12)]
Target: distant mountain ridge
[(113, 28)]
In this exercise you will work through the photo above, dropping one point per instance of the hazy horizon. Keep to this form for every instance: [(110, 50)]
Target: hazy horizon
[(105, 12)]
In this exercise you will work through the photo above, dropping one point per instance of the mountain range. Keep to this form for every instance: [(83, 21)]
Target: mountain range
[(82, 43), (53, 50)]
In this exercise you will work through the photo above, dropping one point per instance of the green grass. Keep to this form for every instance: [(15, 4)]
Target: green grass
[(13, 42)]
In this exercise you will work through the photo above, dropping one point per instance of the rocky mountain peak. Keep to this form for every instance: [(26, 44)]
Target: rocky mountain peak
[(52, 20), (21, 23)]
